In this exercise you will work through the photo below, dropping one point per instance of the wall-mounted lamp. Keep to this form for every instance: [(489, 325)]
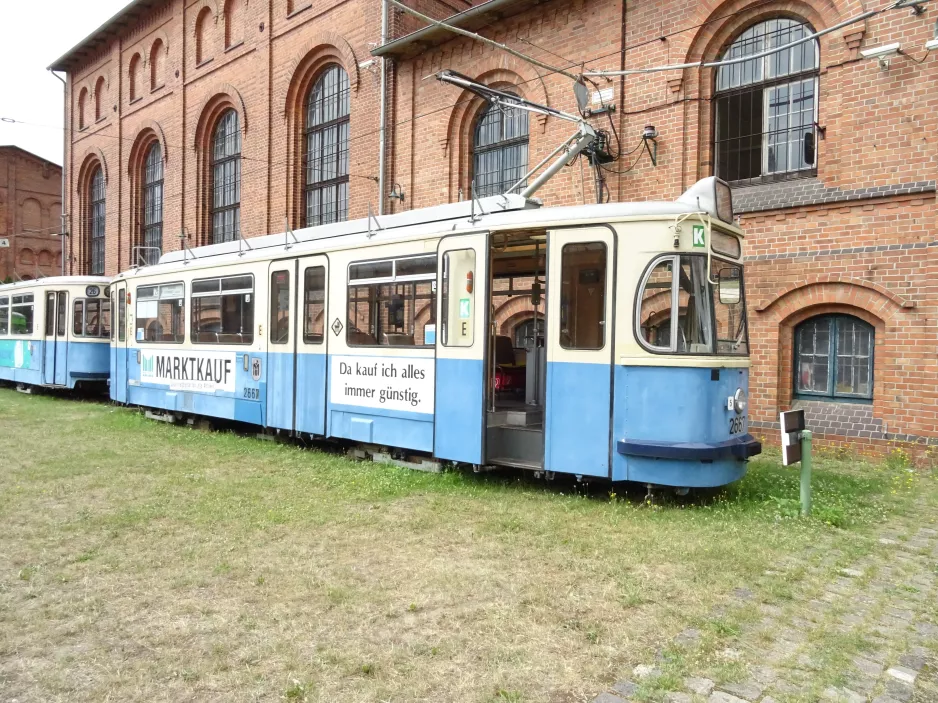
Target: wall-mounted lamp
[(369, 65), (882, 54), (650, 134), (931, 44), (397, 193)]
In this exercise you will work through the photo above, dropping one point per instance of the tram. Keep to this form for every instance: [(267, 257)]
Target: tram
[(392, 334), (54, 332)]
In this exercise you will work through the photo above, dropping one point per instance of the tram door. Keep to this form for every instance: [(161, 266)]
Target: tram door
[(119, 344), (312, 336), (579, 350), (462, 280), (281, 344), (55, 352)]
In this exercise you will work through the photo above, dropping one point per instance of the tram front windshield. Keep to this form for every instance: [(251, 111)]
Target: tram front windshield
[(711, 317)]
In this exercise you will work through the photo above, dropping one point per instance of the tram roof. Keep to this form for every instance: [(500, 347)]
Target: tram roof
[(58, 281), (498, 212)]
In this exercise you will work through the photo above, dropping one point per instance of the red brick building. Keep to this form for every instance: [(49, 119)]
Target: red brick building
[(211, 120), (30, 215)]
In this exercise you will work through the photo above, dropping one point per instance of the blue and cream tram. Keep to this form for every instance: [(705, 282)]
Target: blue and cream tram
[(54, 332), (400, 335)]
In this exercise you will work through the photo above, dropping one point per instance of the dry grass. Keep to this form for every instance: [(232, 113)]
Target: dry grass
[(146, 562)]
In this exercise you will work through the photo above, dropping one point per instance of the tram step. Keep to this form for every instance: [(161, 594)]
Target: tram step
[(516, 463), (521, 445), (516, 418)]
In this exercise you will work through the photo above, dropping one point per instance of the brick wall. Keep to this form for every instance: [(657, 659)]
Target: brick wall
[(30, 214), (855, 238)]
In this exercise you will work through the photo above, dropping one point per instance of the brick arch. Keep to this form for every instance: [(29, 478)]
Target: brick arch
[(197, 12), (93, 155), (509, 325), (323, 50), (82, 106), (896, 299), (45, 258), (146, 131), (318, 45), (27, 256), (512, 309), (503, 72), (829, 290), (222, 98), (135, 75)]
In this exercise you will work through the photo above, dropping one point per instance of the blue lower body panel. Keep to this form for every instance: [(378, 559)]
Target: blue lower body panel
[(373, 426), (51, 363), (311, 393), (576, 429), (280, 388), (459, 410)]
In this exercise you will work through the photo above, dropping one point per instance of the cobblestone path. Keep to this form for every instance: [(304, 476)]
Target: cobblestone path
[(824, 629)]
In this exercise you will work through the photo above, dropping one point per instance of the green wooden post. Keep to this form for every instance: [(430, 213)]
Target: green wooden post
[(806, 473)]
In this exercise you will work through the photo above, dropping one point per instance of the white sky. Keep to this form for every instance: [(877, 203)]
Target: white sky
[(36, 33)]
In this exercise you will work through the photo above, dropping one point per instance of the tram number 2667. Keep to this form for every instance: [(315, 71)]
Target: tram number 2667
[(737, 424), (252, 393)]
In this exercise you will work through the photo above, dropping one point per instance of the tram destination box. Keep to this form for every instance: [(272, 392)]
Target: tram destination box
[(792, 423)]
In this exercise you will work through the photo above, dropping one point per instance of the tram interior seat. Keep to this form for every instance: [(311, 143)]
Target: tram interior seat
[(357, 337), (395, 339)]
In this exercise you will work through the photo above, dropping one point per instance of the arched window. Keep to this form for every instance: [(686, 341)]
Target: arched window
[(99, 99), (499, 150), (226, 178), (82, 107), (766, 108), (96, 219), (327, 145), (134, 75), (153, 203), (203, 51), (157, 60), (834, 358)]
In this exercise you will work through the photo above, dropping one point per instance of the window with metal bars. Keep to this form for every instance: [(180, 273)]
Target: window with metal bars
[(765, 109), (96, 223), (326, 162), (834, 358), (226, 179), (153, 204), (499, 150)]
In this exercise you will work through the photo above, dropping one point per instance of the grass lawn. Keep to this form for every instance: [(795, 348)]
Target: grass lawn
[(145, 562)]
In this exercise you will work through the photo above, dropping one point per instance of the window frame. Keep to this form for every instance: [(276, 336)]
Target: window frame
[(97, 221), (341, 99), (27, 300), (151, 202), (5, 315), (218, 164), (499, 147), (676, 306), (393, 280), (603, 323), (136, 301), (308, 336), (275, 309), (443, 293), (832, 396), (84, 310), (764, 85), (221, 293)]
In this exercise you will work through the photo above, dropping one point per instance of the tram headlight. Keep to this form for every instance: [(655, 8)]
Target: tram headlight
[(740, 401)]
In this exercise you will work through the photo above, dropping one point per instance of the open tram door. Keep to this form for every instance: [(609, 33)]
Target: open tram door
[(461, 342), (119, 343), (578, 413), (55, 339)]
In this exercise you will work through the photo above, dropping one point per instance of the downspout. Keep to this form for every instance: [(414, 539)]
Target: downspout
[(382, 138), (65, 133), (624, 38)]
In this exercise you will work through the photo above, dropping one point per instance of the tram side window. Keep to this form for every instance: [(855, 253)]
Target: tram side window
[(314, 304), (61, 314), (21, 317), (280, 307), (583, 296), (392, 303), (160, 313), (695, 328), (92, 318), (223, 310), (457, 303), (729, 309), (50, 314), (5, 315)]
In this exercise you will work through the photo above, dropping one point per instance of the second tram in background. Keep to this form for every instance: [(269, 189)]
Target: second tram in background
[(54, 332), (391, 335)]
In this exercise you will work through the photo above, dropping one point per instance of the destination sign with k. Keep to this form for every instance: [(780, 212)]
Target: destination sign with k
[(699, 236)]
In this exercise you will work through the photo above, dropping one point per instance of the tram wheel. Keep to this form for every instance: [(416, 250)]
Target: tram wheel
[(681, 491)]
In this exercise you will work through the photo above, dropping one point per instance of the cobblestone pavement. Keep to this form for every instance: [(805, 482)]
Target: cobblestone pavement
[(861, 630)]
